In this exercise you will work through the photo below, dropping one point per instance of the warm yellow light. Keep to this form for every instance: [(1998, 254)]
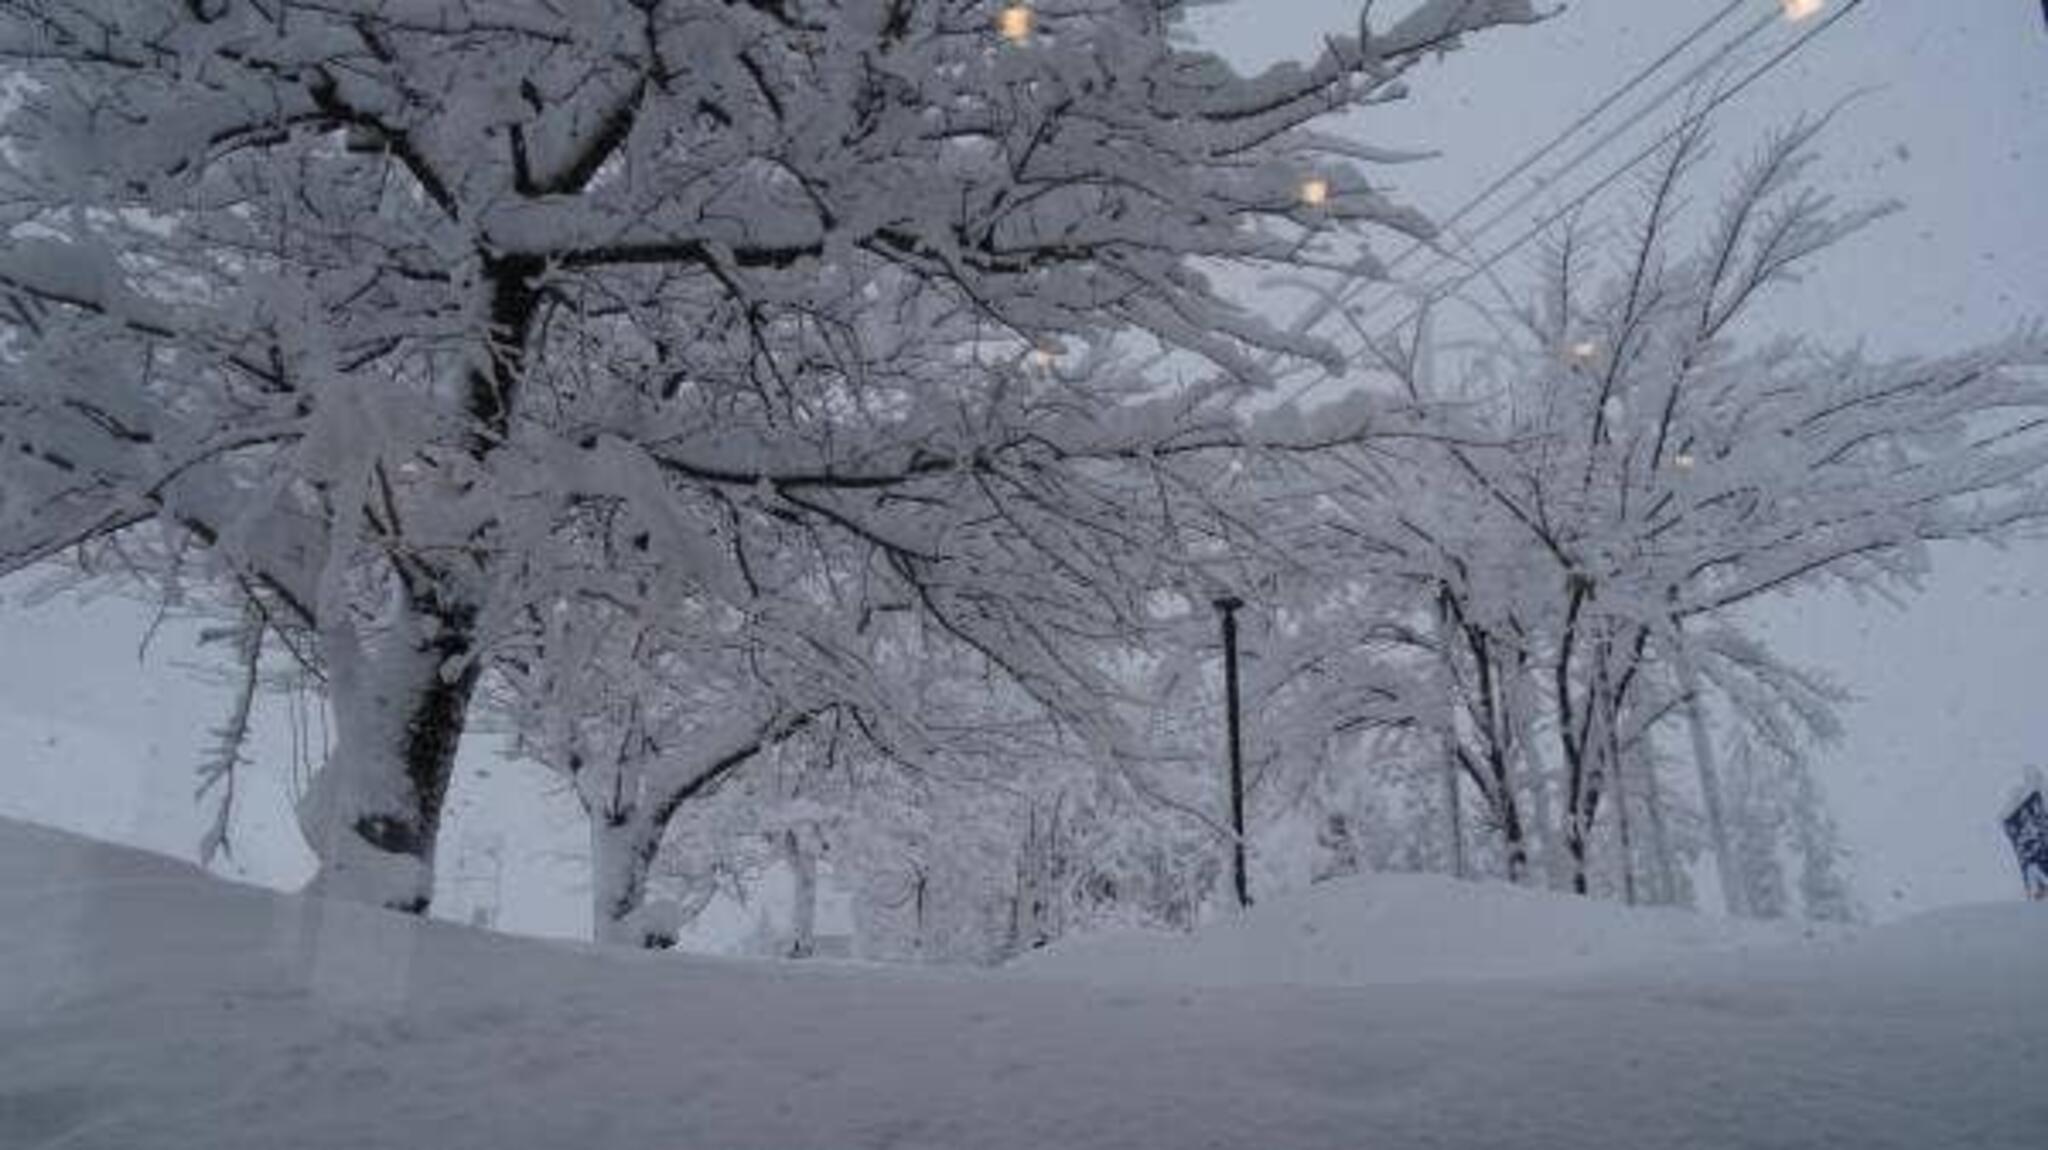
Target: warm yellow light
[(1797, 10), (1682, 461), (1015, 23), (1315, 191), (1041, 357)]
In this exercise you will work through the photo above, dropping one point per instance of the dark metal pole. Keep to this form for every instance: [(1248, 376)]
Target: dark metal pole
[(1228, 605)]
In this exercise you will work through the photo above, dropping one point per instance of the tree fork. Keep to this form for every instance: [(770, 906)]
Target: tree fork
[(438, 715)]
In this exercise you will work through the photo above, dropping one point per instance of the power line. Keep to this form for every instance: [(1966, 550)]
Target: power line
[(1324, 305), (1681, 84), (1453, 285), (1339, 299)]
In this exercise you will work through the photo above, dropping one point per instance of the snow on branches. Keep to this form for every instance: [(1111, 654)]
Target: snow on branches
[(425, 321), (1636, 460)]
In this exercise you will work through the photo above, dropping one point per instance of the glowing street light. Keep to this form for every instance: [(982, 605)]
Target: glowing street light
[(1044, 353), (1583, 351), (1682, 461), (1797, 10), (1014, 22), (1315, 191)]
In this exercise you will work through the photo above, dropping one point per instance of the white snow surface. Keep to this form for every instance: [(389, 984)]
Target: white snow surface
[(144, 1004), (1398, 928)]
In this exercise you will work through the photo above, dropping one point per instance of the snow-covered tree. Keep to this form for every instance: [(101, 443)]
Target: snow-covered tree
[(407, 315), (1640, 457)]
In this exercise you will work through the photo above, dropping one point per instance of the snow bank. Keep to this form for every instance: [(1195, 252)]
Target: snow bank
[(145, 1005), (1395, 928)]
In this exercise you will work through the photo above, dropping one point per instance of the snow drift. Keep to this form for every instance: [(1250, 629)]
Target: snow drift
[(143, 1004), (1393, 928)]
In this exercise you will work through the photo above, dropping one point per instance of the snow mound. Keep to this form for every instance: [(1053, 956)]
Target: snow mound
[(1398, 928), (146, 1005)]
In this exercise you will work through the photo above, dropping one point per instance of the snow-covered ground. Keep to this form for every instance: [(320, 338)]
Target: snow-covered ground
[(143, 1004), (1397, 928)]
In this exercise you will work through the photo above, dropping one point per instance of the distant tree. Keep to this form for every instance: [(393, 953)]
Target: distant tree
[(1640, 456)]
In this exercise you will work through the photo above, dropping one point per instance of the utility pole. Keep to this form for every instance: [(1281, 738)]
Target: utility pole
[(1227, 606)]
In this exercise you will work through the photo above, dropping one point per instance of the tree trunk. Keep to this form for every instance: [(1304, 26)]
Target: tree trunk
[(1454, 810), (623, 846), (618, 881), (373, 812), (1582, 808), (629, 815), (1037, 914), (1711, 797), (1575, 847), (1027, 905), (1533, 775), (1497, 727), (1666, 871), (1619, 785), (1578, 818), (1515, 837), (1627, 836), (1582, 792), (803, 914), (1574, 738)]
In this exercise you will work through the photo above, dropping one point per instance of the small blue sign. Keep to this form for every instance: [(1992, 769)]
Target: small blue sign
[(2027, 827)]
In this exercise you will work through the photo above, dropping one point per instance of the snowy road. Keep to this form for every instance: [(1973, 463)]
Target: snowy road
[(144, 1005)]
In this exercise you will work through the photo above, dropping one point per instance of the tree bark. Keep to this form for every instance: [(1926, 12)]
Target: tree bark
[(373, 812), (1512, 832), (623, 848), (1574, 738), (401, 700), (1610, 714)]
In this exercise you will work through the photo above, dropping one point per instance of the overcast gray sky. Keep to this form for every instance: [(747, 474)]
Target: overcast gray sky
[(1952, 701)]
